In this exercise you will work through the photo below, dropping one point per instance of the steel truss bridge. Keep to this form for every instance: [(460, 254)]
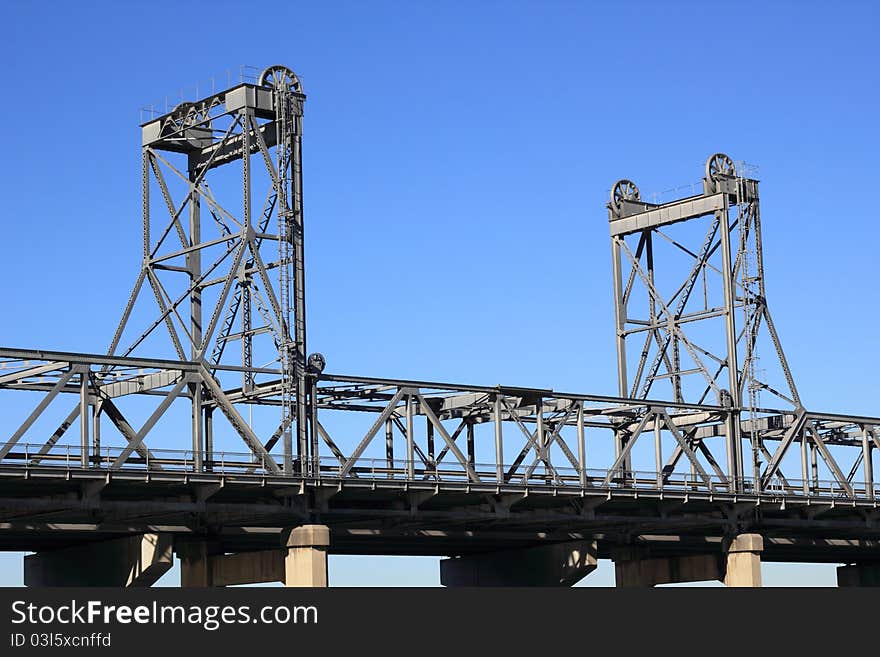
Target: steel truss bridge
[(236, 432)]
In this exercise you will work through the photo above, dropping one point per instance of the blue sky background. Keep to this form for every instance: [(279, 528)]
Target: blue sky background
[(457, 159)]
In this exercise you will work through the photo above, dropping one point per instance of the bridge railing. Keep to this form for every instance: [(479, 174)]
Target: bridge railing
[(63, 459)]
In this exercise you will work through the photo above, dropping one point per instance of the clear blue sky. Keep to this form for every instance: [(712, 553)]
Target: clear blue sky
[(457, 160)]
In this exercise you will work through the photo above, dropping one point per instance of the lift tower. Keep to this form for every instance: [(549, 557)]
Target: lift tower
[(227, 267), (703, 313)]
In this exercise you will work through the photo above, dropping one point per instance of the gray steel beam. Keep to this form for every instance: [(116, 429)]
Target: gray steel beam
[(689, 208)]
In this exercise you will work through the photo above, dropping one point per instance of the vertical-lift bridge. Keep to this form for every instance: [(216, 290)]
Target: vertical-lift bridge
[(213, 338)]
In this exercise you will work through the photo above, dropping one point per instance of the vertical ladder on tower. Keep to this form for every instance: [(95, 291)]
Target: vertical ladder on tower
[(287, 347), (749, 284)]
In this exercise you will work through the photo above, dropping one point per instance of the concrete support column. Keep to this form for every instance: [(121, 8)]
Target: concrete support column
[(860, 574), (195, 565), (558, 564), (137, 560), (744, 560), (306, 560)]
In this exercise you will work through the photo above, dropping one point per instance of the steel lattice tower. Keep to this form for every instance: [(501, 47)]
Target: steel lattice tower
[(673, 330), (242, 270)]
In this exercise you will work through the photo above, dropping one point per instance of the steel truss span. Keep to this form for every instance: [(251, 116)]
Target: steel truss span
[(207, 416), (405, 432)]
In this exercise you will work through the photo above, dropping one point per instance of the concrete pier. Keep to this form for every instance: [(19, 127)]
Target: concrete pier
[(195, 564), (859, 574), (302, 562), (138, 560), (631, 571), (744, 560), (558, 564), (306, 561), (260, 567), (739, 565)]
